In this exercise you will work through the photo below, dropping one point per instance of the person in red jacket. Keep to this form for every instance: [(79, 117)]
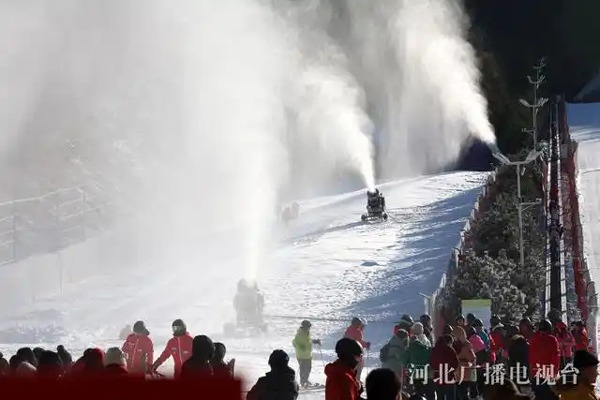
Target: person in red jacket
[(139, 349), (444, 362), (498, 338), (580, 335), (179, 346), (566, 341), (341, 382), (544, 354), (90, 363), (355, 332)]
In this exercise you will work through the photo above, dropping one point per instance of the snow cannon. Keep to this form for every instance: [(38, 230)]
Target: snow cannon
[(290, 213), (375, 206), (249, 304)]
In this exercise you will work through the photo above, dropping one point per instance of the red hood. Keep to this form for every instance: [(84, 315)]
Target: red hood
[(338, 369)]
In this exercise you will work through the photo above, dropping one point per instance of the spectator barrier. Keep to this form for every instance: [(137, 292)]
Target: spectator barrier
[(585, 287), (435, 303)]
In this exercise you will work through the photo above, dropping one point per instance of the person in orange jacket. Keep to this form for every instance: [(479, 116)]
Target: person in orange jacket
[(355, 332), (179, 346), (342, 382), (139, 349)]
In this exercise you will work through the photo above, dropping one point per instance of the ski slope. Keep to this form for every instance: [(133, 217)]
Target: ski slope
[(584, 127), (328, 266)]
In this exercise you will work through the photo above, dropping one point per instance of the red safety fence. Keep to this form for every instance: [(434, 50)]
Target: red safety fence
[(582, 277)]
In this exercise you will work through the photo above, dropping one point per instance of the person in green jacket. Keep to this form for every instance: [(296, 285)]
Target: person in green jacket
[(303, 347), (397, 356), (418, 360)]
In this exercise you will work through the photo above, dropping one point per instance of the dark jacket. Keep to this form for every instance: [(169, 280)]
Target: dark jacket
[(195, 367), (114, 370), (518, 352), (275, 385), (198, 364)]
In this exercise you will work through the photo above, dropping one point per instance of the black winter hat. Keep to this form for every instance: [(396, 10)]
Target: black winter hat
[(382, 383), (278, 359), (347, 346), (220, 351), (48, 359), (140, 328), (584, 359), (545, 326), (203, 347), (65, 356)]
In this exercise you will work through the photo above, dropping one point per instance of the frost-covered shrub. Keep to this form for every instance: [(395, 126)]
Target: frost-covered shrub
[(491, 267)]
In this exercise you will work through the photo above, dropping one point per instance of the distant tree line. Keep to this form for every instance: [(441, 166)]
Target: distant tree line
[(511, 35)]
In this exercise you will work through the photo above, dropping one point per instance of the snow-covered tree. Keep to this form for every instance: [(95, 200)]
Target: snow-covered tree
[(490, 269)]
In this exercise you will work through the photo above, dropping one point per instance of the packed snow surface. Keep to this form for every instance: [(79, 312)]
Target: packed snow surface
[(584, 127), (328, 267)]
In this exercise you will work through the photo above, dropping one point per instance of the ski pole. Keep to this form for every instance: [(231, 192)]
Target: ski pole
[(321, 353)]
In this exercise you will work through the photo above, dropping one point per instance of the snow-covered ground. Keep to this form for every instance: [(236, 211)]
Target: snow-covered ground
[(584, 126), (328, 267)]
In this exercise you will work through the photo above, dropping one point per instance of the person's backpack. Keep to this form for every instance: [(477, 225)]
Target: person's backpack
[(384, 353)]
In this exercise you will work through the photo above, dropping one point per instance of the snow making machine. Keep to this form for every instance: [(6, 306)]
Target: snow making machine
[(248, 304), (375, 207)]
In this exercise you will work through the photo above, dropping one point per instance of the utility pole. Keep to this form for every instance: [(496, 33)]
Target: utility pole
[(532, 156), (537, 103)]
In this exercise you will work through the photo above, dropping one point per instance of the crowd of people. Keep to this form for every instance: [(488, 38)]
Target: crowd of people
[(191, 357), (466, 357), (458, 365)]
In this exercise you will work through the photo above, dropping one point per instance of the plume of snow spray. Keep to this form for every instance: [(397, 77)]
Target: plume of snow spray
[(420, 76), (175, 110), (330, 116), (330, 123)]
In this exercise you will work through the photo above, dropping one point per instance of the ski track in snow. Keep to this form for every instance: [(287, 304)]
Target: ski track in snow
[(328, 267)]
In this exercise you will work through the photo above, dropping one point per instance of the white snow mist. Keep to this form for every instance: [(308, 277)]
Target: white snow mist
[(420, 76), (174, 109), (330, 134)]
